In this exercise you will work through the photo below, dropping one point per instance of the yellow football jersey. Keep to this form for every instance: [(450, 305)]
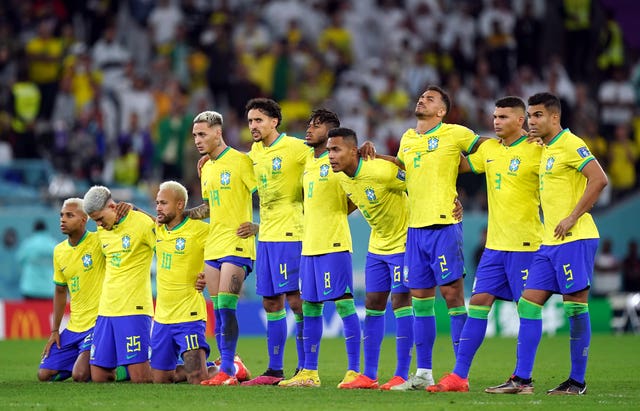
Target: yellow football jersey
[(128, 249), (180, 259), (227, 185), (326, 228), (81, 269), (378, 189), (431, 161), (511, 173), (562, 185), (278, 171)]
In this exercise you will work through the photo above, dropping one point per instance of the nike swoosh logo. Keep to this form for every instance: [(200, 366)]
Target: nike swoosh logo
[(396, 285), (327, 292), (62, 269), (105, 245), (130, 356), (158, 241), (283, 284), (444, 276), (488, 161), (568, 285)]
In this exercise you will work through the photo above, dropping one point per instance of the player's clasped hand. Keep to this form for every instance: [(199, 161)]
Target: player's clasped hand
[(201, 282), (563, 227), (53, 338), (247, 229)]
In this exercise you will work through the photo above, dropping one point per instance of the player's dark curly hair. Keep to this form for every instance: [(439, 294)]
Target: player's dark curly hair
[(265, 106), (324, 116)]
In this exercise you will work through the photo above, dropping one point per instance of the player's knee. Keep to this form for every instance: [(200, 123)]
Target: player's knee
[(400, 300), (45, 375), (375, 302), (81, 376)]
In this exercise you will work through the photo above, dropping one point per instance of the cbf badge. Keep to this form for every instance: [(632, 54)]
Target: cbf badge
[(126, 242), (225, 178), (432, 143), (276, 164), (324, 170), (180, 244), (514, 164), (550, 162), (87, 261)]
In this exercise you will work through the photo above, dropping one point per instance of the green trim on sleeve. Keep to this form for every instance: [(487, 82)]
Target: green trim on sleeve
[(585, 162)]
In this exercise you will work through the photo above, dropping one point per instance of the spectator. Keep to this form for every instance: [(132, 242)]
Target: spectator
[(617, 100), (623, 155), (35, 256), (10, 270), (607, 278), (631, 269), (44, 54)]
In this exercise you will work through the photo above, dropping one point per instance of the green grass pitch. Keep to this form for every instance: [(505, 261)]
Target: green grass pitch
[(612, 377)]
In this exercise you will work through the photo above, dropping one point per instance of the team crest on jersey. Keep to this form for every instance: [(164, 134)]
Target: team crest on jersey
[(514, 164), (371, 194), (583, 152), (550, 162), (324, 170), (276, 164), (225, 178), (87, 261), (432, 143), (126, 242), (180, 244)]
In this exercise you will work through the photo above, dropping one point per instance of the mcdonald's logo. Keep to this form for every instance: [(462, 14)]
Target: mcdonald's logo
[(25, 324)]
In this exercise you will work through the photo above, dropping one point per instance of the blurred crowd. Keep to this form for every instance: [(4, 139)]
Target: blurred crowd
[(106, 90)]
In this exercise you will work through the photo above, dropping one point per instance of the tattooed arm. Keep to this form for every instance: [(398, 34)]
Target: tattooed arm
[(198, 213)]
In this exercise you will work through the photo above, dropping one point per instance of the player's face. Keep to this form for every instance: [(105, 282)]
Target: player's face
[(206, 138), (260, 125), (429, 105), (507, 121), (72, 219), (167, 206), (316, 135), (105, 218), (341, 154), (540, 120)]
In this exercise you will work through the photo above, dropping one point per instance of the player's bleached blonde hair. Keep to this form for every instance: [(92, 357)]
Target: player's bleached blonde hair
[(179, 190), (212, 118), (96, 199), (78, 202)]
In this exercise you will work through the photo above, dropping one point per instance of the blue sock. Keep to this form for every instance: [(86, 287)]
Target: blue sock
[(312, 319), (404, 340), (217, 323), (373, 335), (529, 337), (352, 334), (276, 338), (424, 327), (61, 375), (457, 317), (580, 331), (230, 333), (299, 339), (471, 338)]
